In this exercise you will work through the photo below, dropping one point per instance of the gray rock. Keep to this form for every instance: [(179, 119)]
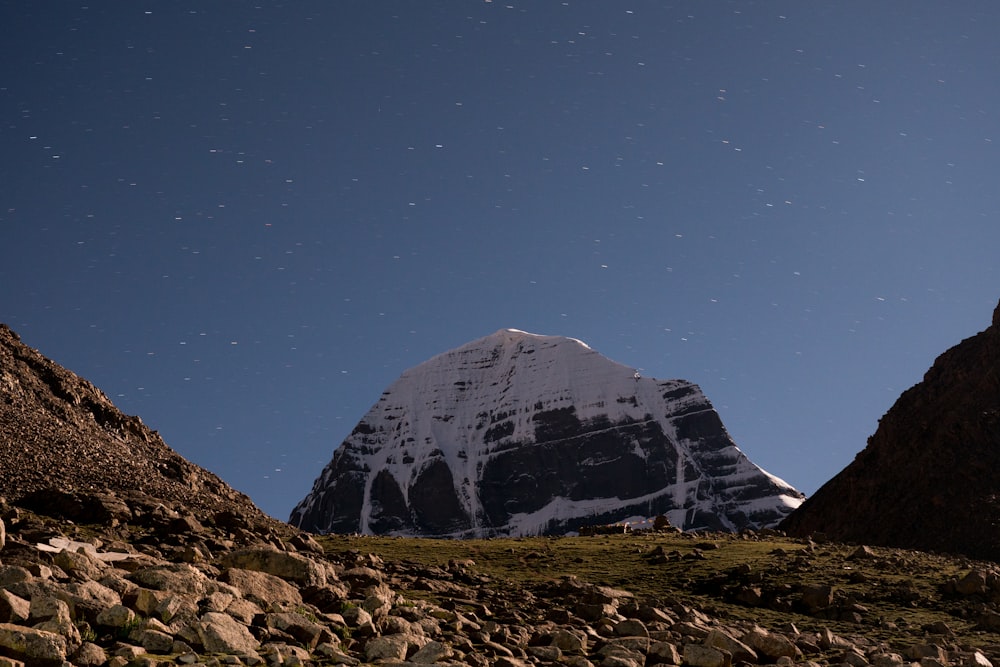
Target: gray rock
[(154, 641), (221, 633), (698, 655), (306, 631), (12, 574), (176, 606), (89, 655), (174, 577), (631, 628), (356, 616), (45, 608), (887, 660), (261, 587), (13, 609), (665, 653), (770, 644), (286, 565), (386, 647), (568, 641), (549, 653), (80, 564), (431, 652), (117, 616), (737, 649), (31, 645), (147, 600), (975, 659), (973, 583), (89, 598)]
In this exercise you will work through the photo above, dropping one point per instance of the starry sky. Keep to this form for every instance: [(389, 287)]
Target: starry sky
[(243, 221)]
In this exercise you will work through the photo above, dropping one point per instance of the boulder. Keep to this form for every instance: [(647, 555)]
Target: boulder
[(79, 564), (174, 577), (89, 598), (434, 651), (13, 609), (815, 598), (221, 633), (33, 647), (286, 565), (386, 647), (699, 655), (89, 655), (261, 587), (739, 651), (569, 641), (117, 616), (301, 628), (770, 644)]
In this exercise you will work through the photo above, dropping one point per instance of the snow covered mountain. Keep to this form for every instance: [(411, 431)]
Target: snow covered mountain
[(518, 434)]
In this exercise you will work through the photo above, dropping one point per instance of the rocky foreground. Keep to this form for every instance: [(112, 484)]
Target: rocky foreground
[(152, 584)]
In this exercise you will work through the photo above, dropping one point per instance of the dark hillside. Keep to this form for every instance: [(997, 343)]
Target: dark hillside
[(930, 476)]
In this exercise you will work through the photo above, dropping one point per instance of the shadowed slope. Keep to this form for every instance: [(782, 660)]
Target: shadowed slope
[(930, 476), (58, 431)]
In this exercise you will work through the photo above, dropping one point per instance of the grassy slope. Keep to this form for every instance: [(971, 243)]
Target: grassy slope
[(895, 593)]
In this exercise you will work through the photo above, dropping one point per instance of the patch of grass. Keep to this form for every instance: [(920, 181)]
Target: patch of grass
[(125, 630), (887, 593), (305, 613)]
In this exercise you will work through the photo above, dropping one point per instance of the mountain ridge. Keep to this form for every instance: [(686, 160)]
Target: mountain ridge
[(929, 472), (61, 435)]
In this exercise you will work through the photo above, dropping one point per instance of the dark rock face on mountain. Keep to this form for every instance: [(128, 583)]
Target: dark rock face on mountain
[(929, 478), (62, 439), (517, 434)]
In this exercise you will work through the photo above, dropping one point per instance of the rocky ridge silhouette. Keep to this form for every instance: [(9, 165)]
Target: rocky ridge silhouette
[(929, 477), (60, 435)]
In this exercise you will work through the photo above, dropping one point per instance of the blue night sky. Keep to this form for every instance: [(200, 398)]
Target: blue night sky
[(244, 221)]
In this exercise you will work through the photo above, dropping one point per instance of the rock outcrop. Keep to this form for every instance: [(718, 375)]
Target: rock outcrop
[(517, 434), (929, 477)]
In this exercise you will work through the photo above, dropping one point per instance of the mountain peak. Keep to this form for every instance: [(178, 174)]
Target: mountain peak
[(519, 433), (515, 336)]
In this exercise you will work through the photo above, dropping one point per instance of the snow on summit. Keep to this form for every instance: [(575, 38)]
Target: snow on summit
[(519, 433)]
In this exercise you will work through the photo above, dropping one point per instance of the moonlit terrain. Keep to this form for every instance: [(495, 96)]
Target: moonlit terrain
[(243, 222)]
